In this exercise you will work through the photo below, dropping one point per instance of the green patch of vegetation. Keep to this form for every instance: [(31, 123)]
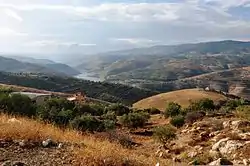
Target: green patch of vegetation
[(173, 109), (164, 134), (178, 121), (135, 119)]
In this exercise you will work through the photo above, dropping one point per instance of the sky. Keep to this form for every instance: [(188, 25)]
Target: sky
[(92, 26)]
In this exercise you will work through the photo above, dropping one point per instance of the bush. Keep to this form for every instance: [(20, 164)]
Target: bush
[(21, 105), (192, 117), (87, 123), (202, 105), (178, 121), (173, 109), (243, 112), (152, 111), (232, 104), (164, 134), (109, 116), (63, 117), (135, 120), (123, 139), (109, 124), (118, 109)]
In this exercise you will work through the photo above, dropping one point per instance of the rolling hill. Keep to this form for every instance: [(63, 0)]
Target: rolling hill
[(181, 97), (32, 65), (167, 63)]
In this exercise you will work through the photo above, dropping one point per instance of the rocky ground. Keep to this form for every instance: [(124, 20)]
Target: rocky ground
[(212, 141), (47, 153)]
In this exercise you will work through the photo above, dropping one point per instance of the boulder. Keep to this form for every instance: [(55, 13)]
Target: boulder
[(239, 124), (230, 146), (221, 161), (220, 143), (48, 143)]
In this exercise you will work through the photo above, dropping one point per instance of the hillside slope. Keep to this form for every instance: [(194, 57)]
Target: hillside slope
[(167, 63), (182, 97), (16, 66), (20, 144)]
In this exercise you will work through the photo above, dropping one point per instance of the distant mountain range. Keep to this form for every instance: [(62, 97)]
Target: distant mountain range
[(17, 64), (167, 63)]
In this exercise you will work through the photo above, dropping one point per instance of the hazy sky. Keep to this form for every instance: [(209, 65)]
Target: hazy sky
[(89, 26)]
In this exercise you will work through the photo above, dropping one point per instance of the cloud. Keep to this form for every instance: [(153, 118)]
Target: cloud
[(136, 41), (10, 32), (13, 14), (45, 43), (226, 4)]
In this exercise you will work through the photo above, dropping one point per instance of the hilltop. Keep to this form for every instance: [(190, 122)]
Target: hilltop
[(182, 97)]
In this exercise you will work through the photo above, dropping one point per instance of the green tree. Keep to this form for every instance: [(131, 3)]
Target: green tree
[(173, 109), (164, 134), (135, 119)]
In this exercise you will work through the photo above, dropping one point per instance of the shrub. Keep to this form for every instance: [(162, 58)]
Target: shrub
[(232, 104), (109, 124), (118, 109), (173, 109), (178, 121), (164, 134), (6, 90), (135, 120), (192, 117), (152, 111), (63, 117), (243, 112), (87, 123), (202, 105), (21, 105), (121, 138)]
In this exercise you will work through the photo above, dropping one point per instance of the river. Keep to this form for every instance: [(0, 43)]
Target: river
[(89, 76)]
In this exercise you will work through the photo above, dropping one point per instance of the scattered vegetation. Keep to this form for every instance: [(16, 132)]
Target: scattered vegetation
[(178, 121), (173, 109), (135, 120), (164, 134)]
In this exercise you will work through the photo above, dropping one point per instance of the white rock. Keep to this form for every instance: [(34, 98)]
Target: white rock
[(245, 161), (217, 145), (221, 161), (14, 120), (226, 124), (230, 146)]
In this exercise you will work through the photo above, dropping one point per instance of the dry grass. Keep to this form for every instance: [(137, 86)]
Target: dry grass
[(95, 151), (181, 97)]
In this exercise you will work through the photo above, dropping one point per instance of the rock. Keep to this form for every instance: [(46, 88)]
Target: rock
[(16, 163), (48, 143), (60, 145), (6, 163), (22, 143), (217, 145), (214, 133), (240, 124), (230, 146), (226, 124), (221, 161), (192, 154), (158, 164), (214, 154), (245, 136), (245, 162), (14, 120)]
